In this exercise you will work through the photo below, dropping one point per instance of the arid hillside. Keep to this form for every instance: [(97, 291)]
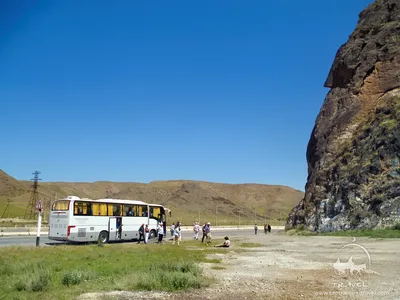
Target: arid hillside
[(189, 200)]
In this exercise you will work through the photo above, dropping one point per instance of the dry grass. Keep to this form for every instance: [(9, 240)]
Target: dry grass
[(190, 201)]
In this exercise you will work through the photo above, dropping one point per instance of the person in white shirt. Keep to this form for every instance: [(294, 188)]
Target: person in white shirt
[(196, 229), (160, 232), (177, 233), (226, 244), (146, 233)]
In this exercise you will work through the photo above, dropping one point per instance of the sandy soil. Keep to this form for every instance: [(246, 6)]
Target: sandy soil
[(294, 267)]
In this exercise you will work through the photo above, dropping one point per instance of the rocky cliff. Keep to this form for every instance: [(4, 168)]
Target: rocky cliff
[(354, 150)]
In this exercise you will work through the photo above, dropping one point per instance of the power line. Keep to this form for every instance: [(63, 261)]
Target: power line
[(31, 208)]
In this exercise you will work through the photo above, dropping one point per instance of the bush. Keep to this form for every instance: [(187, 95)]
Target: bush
[(36, 283), (75, 277), (396, 226), (171, 276), (184, 267)]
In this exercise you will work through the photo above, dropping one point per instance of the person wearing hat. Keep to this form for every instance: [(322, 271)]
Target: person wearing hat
[(226, 243), (208, 233)]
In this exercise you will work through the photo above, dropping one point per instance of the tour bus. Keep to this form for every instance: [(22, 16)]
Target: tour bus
[(74, 219)]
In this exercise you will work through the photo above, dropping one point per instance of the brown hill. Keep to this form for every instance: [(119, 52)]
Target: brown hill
[(354, 151), (189, 200)]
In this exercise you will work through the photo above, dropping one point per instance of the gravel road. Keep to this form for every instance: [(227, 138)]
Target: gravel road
[(294, 267)]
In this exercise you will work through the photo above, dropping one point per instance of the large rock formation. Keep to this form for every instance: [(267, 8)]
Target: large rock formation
[(354, 150)]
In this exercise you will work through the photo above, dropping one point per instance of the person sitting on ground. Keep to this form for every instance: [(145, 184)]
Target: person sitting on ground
[(226, 244)]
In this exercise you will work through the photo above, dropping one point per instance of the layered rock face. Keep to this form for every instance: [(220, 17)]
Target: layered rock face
[(354, 150)]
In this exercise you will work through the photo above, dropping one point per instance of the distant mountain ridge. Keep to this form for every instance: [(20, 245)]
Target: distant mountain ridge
[(188, 199)]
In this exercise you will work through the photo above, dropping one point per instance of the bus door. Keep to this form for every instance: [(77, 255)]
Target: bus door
[(115, 228)]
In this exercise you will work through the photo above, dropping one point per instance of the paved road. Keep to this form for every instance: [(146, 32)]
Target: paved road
[(44, 241)]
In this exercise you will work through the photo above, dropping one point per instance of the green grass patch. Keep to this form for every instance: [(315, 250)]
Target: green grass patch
[(213, 260), (250, 245), (298, 231), (218, 268), (10, 211), (373, 233), (64, 272)]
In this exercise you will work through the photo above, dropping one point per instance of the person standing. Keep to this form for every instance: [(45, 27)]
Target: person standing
[(160, 232), (208, 233), (172, 229), (265, 228), (146, 233), (255, 228), (141, 233), (204, 232), (176, 234), (196, 229)]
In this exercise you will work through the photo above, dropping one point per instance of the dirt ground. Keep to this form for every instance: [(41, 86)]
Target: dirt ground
[(294, 267)]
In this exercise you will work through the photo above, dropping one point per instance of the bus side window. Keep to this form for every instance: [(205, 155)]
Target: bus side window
[(78, 208), (155, 212), (89, 209), (117, 209), (142, 211), (99, 209), (129, 211)]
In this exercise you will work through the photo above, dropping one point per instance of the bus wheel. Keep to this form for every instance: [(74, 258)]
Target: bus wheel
[(103, 237), (152, 234)]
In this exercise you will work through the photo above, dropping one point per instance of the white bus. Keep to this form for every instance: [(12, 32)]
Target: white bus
[(74, 219)]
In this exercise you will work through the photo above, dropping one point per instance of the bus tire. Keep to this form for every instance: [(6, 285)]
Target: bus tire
[(103, 237), (152, 234)]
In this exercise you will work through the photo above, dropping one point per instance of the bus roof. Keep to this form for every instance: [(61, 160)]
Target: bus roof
[(122, 201)]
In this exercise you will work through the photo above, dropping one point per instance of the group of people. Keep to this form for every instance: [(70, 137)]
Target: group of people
[(267, 228), (206, 230), (144, 233), (176, 233)]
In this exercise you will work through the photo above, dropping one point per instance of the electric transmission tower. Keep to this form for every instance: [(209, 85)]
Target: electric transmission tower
[(7, 209), (31, 208)]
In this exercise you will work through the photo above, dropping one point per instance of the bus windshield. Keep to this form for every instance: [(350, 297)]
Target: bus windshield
[(60, 205)]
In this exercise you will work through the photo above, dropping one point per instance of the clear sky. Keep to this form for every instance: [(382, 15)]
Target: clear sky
[(224, 91)]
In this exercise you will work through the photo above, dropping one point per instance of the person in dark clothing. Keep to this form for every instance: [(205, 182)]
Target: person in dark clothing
[(141, 233), (119, 228), (204, 232), (269, 228), (130, 212)]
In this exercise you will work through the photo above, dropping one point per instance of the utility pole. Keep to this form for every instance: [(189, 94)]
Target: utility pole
[(216, 213), (30, 209), (39, 207)]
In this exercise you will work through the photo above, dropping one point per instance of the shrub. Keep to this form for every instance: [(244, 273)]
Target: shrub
[(35, 283), (75, 277), (171, 276), (396, 226)]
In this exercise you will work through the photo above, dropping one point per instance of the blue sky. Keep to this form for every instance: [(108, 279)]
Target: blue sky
[(224, 91)]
